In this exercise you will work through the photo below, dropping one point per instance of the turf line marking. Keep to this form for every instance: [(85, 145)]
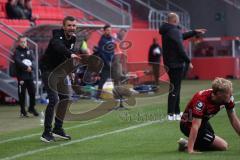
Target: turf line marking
[(38, 134), (81, 140), (78, 140)]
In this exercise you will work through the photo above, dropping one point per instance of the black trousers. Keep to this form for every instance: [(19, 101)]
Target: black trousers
[(58, 92), (175, 75), (105, 74), (24, 85), (156, 73)]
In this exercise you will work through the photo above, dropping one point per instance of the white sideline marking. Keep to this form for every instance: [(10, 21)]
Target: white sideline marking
[(77, 140), (38, 134), (80, 140)]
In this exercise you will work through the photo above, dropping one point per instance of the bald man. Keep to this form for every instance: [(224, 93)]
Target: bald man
[(176, 59)]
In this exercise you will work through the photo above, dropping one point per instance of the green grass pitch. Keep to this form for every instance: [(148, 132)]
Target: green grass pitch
[(137, 134)]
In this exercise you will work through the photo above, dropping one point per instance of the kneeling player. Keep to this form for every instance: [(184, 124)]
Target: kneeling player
[(204, 105)]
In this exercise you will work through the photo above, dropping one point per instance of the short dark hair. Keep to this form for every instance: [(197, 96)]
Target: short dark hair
[(106, 26), (68, 18), (21, 37)]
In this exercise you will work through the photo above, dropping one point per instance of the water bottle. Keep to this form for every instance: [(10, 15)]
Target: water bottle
[(42, 118), (107, 89)]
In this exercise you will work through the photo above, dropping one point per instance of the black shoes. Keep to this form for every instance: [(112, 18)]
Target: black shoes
[(59, 133), (33, 111), (56, 133), (23, 114), (47, 137)]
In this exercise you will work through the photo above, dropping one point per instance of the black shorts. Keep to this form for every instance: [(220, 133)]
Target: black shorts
[(205, 135)]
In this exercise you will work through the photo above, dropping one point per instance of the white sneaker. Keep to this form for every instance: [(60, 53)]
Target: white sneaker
[(182, 144), (177, 117), (181, 113), (171, 117)]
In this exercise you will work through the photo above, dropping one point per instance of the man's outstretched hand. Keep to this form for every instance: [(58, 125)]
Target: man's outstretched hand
[(201, 31)]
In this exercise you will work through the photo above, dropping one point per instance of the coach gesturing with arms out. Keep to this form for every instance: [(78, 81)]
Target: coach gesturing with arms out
[(175, 58), (60, 49)]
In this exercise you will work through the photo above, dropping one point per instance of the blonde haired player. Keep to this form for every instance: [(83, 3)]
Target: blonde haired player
[(203, 106)]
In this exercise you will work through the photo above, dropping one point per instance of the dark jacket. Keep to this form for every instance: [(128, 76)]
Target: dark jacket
[(153, 57), (21, 56), (106, 49), (14, 11), (174, 55), (27, 13), (59, 50)]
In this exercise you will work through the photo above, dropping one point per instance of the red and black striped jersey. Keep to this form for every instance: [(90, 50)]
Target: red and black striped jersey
[(201, 106)]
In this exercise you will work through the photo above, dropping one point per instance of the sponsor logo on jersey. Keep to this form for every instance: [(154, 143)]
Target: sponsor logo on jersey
[(199, 106), (72, 45)]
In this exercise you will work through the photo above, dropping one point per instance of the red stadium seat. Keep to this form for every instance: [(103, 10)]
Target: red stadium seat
[(55, 22), (36, 2), (2, 15), (74, 12), (48, 13), (3, 1), (16, 22), (2, 7), (53, 2)]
